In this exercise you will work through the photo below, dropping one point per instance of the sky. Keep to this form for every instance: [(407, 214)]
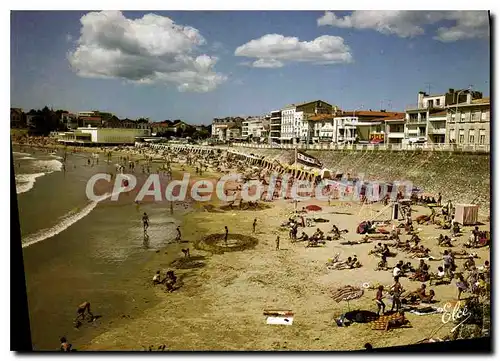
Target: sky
[(198, 65)]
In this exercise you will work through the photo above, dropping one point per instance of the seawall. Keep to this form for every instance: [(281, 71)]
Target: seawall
[(459, 176)]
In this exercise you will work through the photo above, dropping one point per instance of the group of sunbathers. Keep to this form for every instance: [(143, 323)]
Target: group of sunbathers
[(169, 281), (350, 263), (478, 238)]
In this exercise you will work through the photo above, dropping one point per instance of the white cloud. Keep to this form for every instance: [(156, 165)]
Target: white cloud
[(267, 63), (152, 49), (468, 25), (274, 50), (404, 23), (69, 38)]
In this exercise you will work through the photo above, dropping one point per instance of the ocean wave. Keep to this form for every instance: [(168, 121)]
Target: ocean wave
[(68, 220), (26, 158), (20, 153), (56, 156), (48, 166), (24, 182)]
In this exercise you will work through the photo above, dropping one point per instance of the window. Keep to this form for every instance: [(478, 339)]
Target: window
[(476, 115), (484, 116), (461, 136), (437, 102), (482, 136), (453, 117), (471, 136), (462, 117)]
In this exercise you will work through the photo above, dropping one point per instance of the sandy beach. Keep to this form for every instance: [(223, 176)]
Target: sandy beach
[(220, 302)]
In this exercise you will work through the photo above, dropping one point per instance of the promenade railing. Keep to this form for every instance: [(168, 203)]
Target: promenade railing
[(373, 147)]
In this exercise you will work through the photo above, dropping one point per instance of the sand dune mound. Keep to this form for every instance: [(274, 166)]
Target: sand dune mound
[(236, 242)]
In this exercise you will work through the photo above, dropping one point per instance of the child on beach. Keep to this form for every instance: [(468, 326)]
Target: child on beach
[(378, 299)]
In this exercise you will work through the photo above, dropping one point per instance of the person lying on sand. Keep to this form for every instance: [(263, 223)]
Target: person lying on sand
[(396, 322), (421, 252), (303, 237), (455, 231)]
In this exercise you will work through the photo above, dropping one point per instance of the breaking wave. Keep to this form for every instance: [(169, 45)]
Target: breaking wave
[(68, 220), (24, 182)]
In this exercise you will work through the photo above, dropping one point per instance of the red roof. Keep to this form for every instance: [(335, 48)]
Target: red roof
[(394, 118)]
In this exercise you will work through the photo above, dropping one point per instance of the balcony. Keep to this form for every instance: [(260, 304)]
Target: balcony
[(437, 130), (421, 106), (396, 135)]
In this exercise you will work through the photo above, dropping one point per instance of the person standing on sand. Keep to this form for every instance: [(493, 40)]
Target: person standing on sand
[(397, 289), (226, 234), (145, 221), (254, 224), (379, 301), (277, 243), (178, 238)]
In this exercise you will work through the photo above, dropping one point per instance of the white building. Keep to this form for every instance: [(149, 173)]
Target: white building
[(102, 136), (253, 127), (290, 130), (345, 129), (323, 129)]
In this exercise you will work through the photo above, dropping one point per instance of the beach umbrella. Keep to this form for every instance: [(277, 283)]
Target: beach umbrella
[(347, 293), (313, 208)]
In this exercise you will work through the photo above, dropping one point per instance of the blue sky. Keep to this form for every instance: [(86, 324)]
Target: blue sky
[(122, 65)]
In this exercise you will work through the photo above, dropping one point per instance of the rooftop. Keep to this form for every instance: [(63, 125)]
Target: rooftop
[(370, 113)]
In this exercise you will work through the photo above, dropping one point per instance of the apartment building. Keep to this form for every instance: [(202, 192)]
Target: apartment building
[(418, 116), (275, 126), (295, 124), (468, 123), (437, 127), (227, 128), (394, 129), (253, 127)]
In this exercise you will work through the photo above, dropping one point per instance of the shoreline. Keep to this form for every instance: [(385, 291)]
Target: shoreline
[(241, 284)]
